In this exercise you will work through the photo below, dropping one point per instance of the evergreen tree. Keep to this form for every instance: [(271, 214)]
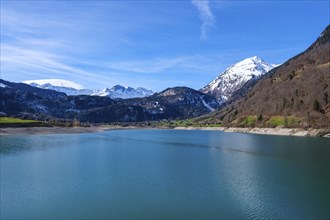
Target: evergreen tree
[(316, 105)]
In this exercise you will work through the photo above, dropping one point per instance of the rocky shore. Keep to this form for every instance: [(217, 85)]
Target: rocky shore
[(267, 131)]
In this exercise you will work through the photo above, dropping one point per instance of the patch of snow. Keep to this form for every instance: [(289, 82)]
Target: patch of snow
[(168, 92), (42, 108), (3, 85), (73, 110), (104, 92), (207, 105)]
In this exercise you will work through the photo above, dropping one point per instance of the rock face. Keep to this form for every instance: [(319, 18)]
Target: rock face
[(18, 99), (235, 76)]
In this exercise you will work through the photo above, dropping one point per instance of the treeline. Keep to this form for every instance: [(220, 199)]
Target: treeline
[(76, 123), (68, 122)]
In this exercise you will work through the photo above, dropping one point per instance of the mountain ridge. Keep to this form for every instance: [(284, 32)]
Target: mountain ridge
[(22, 100), (71, 88), (124, 92), (54, 82)]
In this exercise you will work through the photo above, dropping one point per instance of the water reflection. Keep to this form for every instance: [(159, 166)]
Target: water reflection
[(21, 143)]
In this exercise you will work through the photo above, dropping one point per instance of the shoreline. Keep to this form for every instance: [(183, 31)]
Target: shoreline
[(56, 130), (298, 132)]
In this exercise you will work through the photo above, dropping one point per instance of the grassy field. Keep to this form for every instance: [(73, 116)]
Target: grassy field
[(185, 123), (289, 121), (6, 120), (249, 121)]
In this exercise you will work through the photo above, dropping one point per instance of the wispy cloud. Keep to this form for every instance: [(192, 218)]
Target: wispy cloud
[(100, 48), (46, 45), (145, 66), (205, 15), (16, 60)]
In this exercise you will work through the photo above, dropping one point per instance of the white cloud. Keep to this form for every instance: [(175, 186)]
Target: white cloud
[(205, 15)]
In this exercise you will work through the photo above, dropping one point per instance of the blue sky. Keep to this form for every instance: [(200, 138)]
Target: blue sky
[(154, 44)]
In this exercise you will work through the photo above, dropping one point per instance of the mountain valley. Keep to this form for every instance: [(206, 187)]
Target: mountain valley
[(247, 94)]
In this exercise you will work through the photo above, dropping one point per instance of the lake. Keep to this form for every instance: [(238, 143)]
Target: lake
[(164, 174)]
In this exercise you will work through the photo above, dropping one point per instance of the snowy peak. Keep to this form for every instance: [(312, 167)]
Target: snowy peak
[(118, 87), (103, 92), (251, 66), (59, 85), (53, 82), (122, 92), (119, 91), (235, 76), (144, 92), (71, 88)]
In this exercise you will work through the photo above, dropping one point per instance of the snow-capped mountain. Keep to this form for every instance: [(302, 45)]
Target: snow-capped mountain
[(71, 88), (22, 100), (119, 91), (60, 85), (235, 76), (55, 82)]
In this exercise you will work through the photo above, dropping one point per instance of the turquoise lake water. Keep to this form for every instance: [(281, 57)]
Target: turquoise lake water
[(164, 174)]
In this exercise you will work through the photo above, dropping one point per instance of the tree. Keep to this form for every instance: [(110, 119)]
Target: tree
[(75, 122), (316, 105), (326, 98)]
